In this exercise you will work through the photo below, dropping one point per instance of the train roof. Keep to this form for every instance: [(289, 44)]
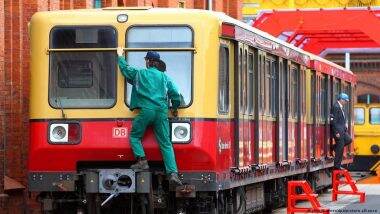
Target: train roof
[(309, 59), (325, 66), (318, 63)]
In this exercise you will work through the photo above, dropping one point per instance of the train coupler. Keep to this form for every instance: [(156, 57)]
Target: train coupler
[(185, 191)]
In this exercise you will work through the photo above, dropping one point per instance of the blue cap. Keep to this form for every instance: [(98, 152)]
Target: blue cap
[(152, 55), (343, 96)]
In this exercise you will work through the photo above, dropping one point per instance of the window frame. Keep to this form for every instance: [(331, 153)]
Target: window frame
[(369, 115), (53, 50), (222, 111), (251, 87), (191, 49), (294, 94), (355, 116), (324, 97)]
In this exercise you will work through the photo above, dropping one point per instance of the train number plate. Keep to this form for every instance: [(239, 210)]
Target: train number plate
[(119, 132)]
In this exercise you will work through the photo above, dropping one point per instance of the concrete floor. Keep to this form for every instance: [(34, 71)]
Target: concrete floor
[(349, 204)]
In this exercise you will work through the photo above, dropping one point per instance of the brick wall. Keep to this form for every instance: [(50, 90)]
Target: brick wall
[(14, 80), (368, 82)]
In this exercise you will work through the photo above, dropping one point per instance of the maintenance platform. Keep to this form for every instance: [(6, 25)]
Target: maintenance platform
[(350, 204)]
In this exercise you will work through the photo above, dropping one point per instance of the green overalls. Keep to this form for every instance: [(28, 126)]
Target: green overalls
[(150, 92)]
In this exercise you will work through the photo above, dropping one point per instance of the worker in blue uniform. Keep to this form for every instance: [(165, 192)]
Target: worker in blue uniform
[(150, 93)]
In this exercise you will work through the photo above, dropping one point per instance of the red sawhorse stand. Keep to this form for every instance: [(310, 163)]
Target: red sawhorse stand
[(307, 195), (337, 174)]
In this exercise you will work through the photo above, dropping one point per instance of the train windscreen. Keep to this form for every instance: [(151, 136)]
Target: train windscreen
[(179, 61), (82, 74)]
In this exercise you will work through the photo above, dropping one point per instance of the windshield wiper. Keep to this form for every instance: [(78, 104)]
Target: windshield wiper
[(59, 104)]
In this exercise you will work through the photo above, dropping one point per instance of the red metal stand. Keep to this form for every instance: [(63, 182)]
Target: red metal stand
[(313, 30), (307, 194), (337, 174)]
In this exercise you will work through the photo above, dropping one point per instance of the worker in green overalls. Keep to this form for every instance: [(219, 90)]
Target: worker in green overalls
[(150, 93)]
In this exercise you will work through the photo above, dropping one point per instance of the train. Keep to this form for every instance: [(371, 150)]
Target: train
[(367, 144), (254, 113)]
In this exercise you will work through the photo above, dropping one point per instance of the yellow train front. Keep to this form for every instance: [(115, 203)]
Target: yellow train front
[(254, 113), (367, 137)]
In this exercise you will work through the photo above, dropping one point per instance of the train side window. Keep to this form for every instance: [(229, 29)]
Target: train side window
[(267, 86), (240, 64), (303, 91), (374, 116), (337, 88), (313, 95), (245, 83), (294, 91), (251, 80), (82, 79), (323, 103), (359, 115), (319, 98), (273, 88), (347, 108), (223, 80), (262, 84)]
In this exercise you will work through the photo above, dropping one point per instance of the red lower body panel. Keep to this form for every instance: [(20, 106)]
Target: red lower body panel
[(98, 144)]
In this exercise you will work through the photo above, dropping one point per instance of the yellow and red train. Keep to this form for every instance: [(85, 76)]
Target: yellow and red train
[(254, 112)]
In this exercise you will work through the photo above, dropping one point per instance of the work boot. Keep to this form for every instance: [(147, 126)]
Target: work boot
[(174, 180), (141, 164)]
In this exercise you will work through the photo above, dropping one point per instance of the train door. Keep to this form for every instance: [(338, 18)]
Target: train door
[(225, 110), (322, 115), (293, 114), (245, 109), (345, 88), (302, 151), (244, 125), (262, 106), (335, 89), (320, 127), (269, 122), (252, 76), (313, 107), (282, 111)]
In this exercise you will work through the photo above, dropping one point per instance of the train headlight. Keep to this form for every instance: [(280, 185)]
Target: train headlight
[(181, 132), (65, 133), (375, 149), (121, 18), (59, 133)]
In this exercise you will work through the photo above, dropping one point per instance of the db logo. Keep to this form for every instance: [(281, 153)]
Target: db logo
[(119, 132)]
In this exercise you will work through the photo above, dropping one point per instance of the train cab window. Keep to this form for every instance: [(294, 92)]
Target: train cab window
[(359, 116), (179, 60), (223, 79), (374, 116), (82, 79)]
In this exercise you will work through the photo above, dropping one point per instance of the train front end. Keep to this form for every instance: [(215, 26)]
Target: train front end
[(79, 150)]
